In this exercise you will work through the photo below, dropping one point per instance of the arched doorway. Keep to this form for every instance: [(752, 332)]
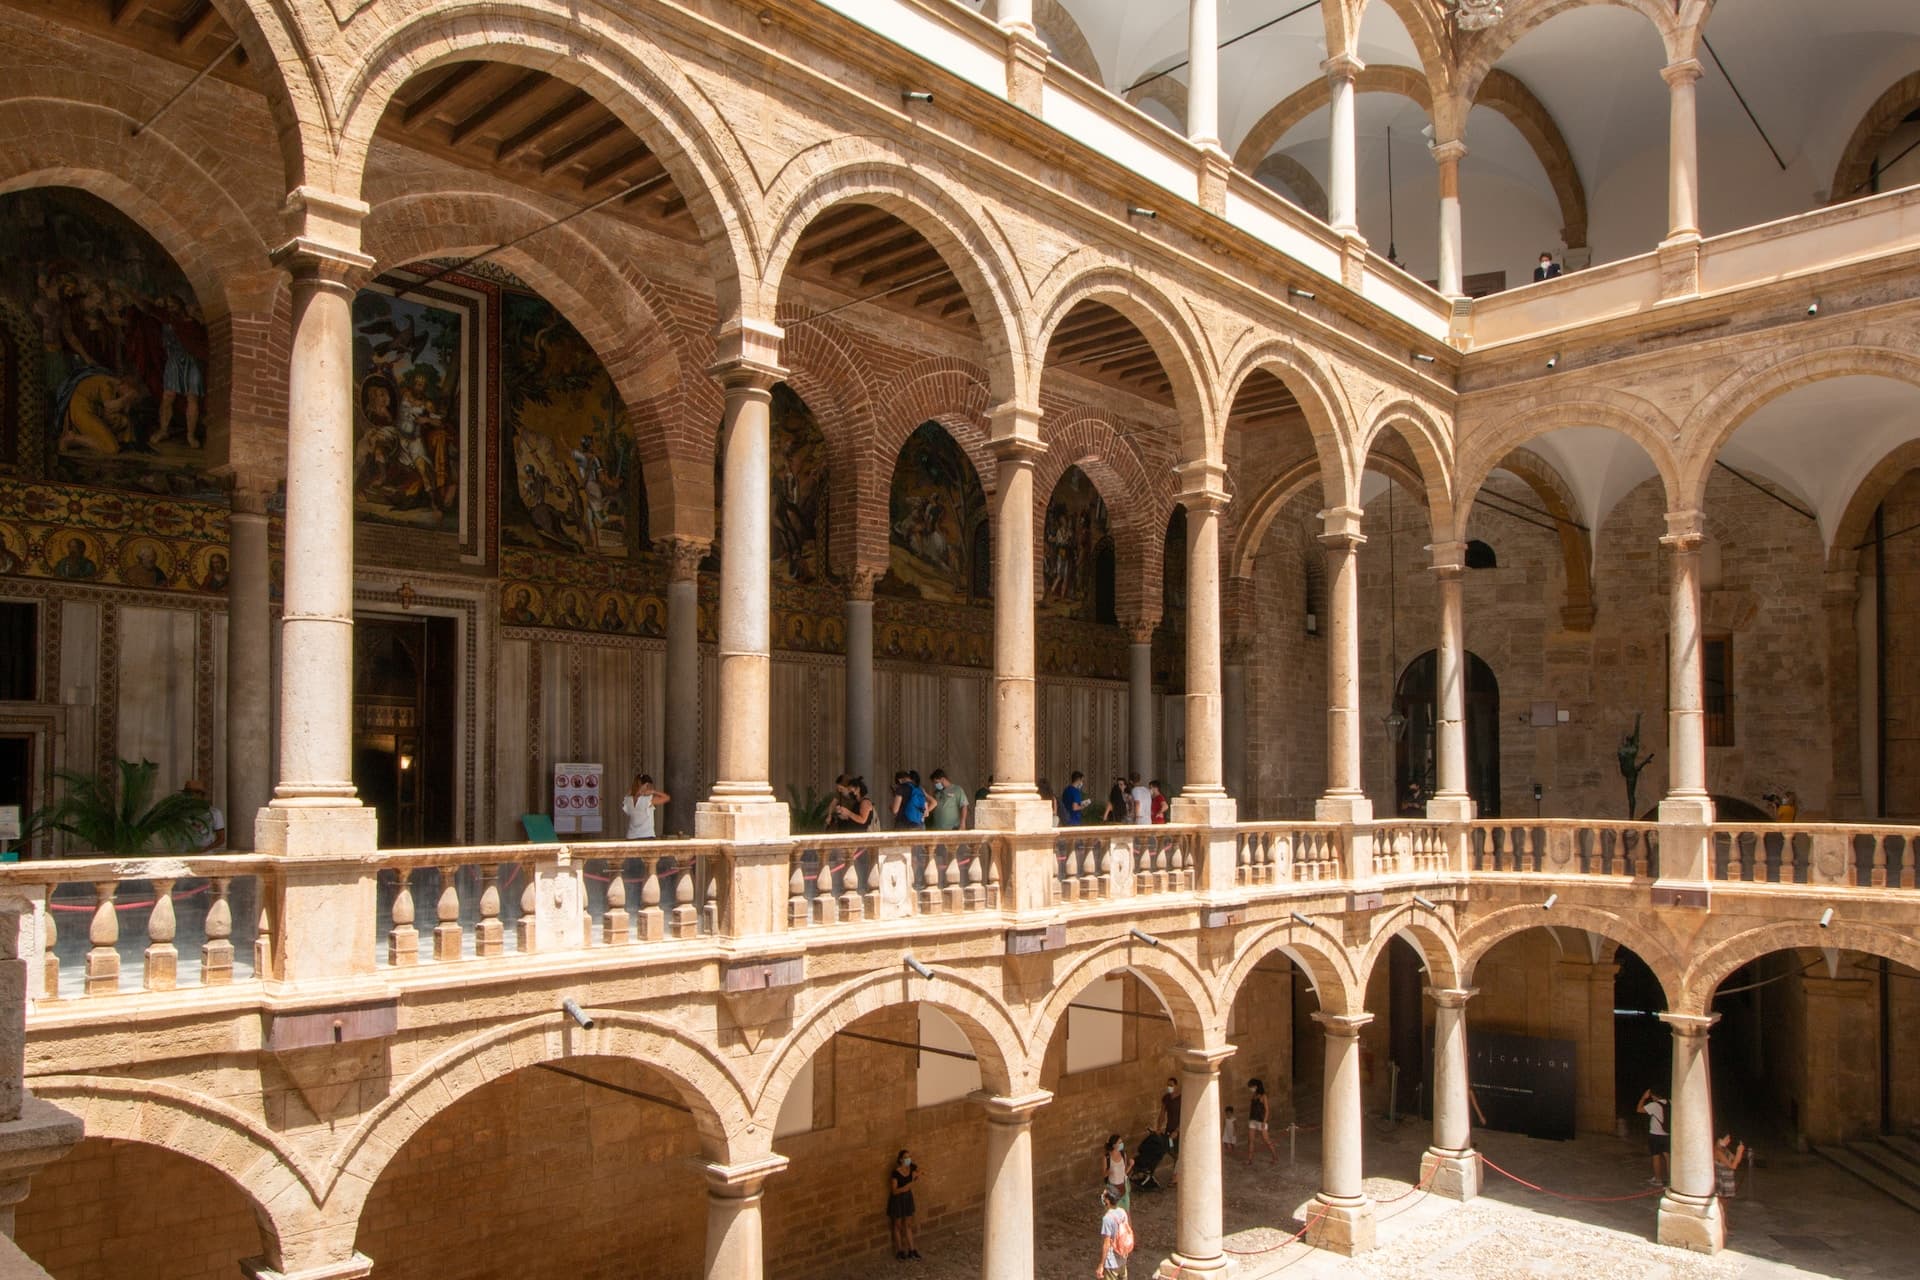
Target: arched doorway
[(1415, 753)]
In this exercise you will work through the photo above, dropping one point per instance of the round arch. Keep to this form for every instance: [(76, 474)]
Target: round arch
[(1432, 452), (1176, 981), (292, 79), (940, 389), (1424, 24), (1481, 50), (1327, 964), (1489, 931), (1856, 521), (1323, 401), (1005, 1067), (1283, 489), (1430, 933), (1576, 541), (1854, 171), (1719, 961)]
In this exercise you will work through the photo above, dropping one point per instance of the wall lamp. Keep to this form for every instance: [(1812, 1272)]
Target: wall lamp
[(1301, 293), (579, 1015), (916, 95), (1548, 904), (1826, 918), (1424, 903), (1147, 938), (916, 966), (1135, 211)]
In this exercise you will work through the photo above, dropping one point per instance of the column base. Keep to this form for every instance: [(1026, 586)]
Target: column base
[(1445, 808), (1204, 811), (1354, 808), (1686, 811), (1179, 1268), (1341, 1224), (358, 1267), (315, 831), (1014, 812), (742, 821), (1690, 1222), (1453, 1174), (42, 1134)]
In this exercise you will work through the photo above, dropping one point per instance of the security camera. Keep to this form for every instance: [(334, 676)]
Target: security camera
[(917, 967), (917, 95), (1553, 362), (1135, 211), (1826, 918), (1551, 899), (1424, 902), (578, 1014), (1147, 938), (1813, 308)]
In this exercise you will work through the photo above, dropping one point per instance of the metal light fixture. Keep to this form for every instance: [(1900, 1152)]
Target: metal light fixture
[(1478, 15)]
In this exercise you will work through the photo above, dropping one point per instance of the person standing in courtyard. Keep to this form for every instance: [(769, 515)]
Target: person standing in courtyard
[(1259, 1115), (1139, 801), (639, 804), (949, 812), (1728, 1156), (900, 1208), (1116, 1238), (1654, 1108), (1229, 1137), (1073, 800), (1115, 1167)]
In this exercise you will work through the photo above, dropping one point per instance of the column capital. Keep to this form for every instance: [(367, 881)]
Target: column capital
[(1686, 530), (1343, 1024), (752, 344), (684, 555), (1140, 630), (862, 580), (1690, 1025), (1451, 997), (1449, 558), (1016, 451), (1343, 66), (1203, 486), (1016, 426), (248, 498), (325, 217), (1452, 151), (1341, 528), (1017, 1109), (1203, 1059), (337, 265), (1685, 71), (743, 1179)]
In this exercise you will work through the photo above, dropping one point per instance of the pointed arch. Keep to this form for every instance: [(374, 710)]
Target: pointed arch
[(1327, 964), (1478, 51), (1431, 933), (1137, 507), (1323, 402), (1486, 932), (1182, 988), (1718, 962)]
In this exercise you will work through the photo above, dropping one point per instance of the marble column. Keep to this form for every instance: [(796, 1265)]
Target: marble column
[(1343, 199), (1687, 801), (734, 1247), (1448, 155), (860, 706), (680, 743), (1345, 799), (741, 807), (1342, 1212), (1017, 14), (1689, 1209), (1203, 73), (1141, 738), (1198, 1224), (1014, 802), (1683, 150), (1451, 1167), (1007, 1245), (1450, 801), (1203, 799), (249, 666)]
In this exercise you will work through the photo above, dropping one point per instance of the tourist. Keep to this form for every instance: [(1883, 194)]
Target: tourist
[(1116, 810), (1727, 1159), (949, 812), (909, 801), (1548, 268), (1116, 1237), (639, 803), (1654, 1108), (1139, 801), (1170, 1112), (1115, 1167), (1073, 800), (1259, 1113), (208, 831), (1229, 1138), (1159, 801), (900, 1182), (853, 811), (842, 795)]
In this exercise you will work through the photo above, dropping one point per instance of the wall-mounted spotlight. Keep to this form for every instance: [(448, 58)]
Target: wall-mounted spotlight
[(1423, 902), (916, 966), (1548, 904), (579, 1015), (1147, 938), (1813, 308), (1301, 293), (1135, 211), (1553, 361), (1826, 918), (1422, 357), (916, 95)]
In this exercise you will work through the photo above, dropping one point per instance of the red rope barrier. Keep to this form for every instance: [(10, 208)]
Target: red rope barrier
[(1272, 1248), (1534, 1186)]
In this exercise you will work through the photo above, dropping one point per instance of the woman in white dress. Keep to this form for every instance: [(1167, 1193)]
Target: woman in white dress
[(639, 804)]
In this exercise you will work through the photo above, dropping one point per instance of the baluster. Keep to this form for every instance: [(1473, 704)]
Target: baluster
[(50, 961), (850, 901), (710, 905), (263, 966), (446, 934), (489, 938), (798, 917), (1182, 872), (525, 939), (614, 925), (1242, 860), (1142, 865), (103, 961), (990, 854), (651, 924), (163, 958), (216, 953), (826, 906), (927, 871), (952, 898), (1878, 878), (972, 895), (1906, 865), (685, 921), (1642, 849)]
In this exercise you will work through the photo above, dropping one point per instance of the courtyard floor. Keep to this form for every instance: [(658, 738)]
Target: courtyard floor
[(1796, 1217)]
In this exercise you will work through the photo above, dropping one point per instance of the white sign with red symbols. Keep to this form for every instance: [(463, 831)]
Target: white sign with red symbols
[(576, 798)]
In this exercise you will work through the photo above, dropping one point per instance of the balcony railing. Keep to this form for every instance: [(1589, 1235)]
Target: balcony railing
[(1566, 847)]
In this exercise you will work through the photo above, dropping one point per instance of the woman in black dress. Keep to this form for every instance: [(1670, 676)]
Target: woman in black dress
[(900, 1205)]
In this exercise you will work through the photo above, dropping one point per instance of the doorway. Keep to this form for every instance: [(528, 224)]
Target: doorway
[(404, 688), (1415, 699)]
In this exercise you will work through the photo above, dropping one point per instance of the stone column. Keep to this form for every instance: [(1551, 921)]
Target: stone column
[(1451, 1167), (1014, 802), (1343, 200), (1687, 801), (1846, 795), (249, 667), (742, 807), (1017, 14), (1141, 739), (1689, 1210), (1345, 799), (1342, 1212), (1683, 150), (734, 1250), (681, 728), (357, 1267), (1448, 156), (1198, 1230), (1204, 798), (1450, 801), (860, 712), (1007, 1247), (1203, 73)]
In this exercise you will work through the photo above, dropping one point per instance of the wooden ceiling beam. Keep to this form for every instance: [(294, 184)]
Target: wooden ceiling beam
[(833, 220), (1091, 318), (897, 238), (944, 289), (1094, 345), (579, 143), (125, 12), (901, 263), (1132, 365), (569, 107), (674, 206), (416, 112), (955, 307), (484, 114), (620, 164), (879, 223), (195, 26)]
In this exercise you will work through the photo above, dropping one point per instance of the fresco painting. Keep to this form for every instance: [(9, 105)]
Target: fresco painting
[(410, 423), (1076, 528), (800, 495), (936, 515)]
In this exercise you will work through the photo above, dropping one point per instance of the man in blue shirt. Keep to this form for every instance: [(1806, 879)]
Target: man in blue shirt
[(1073, 799)]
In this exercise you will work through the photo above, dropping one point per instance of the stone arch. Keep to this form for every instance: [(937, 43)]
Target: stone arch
[(1718, 962), (1431, 933), (698, 1073), (1488, 931), (1166, 91), (1327, 963), (1432, 453), (1305, 189), (1005, 1066), (1855, 168), (946, 390), (1137, 508), (1323, 402), (1270, 129), (1260, 514), (855, 170), (649, 95), (1066, 42), (1723, 410), (1856, 521), (1160, 322), (1506, 93), (279, 1183), (1478, 51), (1183, 990), (1576, 542), (1425, 24), (291, 76), (824, 369)]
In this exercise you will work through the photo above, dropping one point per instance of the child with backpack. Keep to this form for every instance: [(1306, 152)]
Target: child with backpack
[(1116, 1238)]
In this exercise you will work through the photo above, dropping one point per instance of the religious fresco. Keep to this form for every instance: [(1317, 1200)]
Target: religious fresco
[(103, 350), (935, 516), (571, 470), (1173, 571), (85, 535), (1076, 528), (412, 417), (799, 495)]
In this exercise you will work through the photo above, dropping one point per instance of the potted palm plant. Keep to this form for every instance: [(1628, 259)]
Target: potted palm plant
[(121, 818)]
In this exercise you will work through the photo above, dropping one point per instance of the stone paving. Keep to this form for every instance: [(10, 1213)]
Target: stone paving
[(1796, 1217)]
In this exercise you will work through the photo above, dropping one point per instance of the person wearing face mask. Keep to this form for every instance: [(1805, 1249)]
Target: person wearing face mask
[(900, 1180), (1170, 1112), (1548, 268), (949, 812), (1115, 1166)]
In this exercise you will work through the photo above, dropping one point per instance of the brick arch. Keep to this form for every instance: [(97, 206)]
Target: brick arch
[(1137, 508), (279, 1183), (1855, 168), (284, 69), (1489, 931), (945, 390), (1327, 964), (1726, 408), (1576, 543), (1480, 450), (1478, 51), (1323, 399), (865, 170), (1718, 962), (1431, 934), (1006, 1067), (698, 1073), (606, 58), (1179, 984), (1856, 521), (825, 370), (1432, 453)]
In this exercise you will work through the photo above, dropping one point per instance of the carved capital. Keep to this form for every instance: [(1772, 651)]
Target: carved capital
[(1683, 72), (684, 556), (864, 578), (1341, 529), (1343, 66), (1449, 559), (1686, 530), (1343, 1024)]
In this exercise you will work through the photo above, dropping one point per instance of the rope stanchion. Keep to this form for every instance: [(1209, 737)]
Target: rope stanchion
[(1273, 1248), (1414, 1190), (1534, 1186)]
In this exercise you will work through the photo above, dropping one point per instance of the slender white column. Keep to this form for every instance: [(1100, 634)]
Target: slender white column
[(1683, 150), (1013, 801), (1448, 156), (1687, 798), (681, 734), (1017, 14), (860, 710), (742, 807), (734, 1248), (1140, 718), (1450, 1166), (1007, 1247), (1343, 199), (1198, 1228), (1204, 776), (1345, 1222), (1689, 1210), (249, 668), (1203, 73), (1450, 801), (1345, 800)]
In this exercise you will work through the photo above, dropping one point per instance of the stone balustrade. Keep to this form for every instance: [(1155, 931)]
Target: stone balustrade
[(1566, 847)]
